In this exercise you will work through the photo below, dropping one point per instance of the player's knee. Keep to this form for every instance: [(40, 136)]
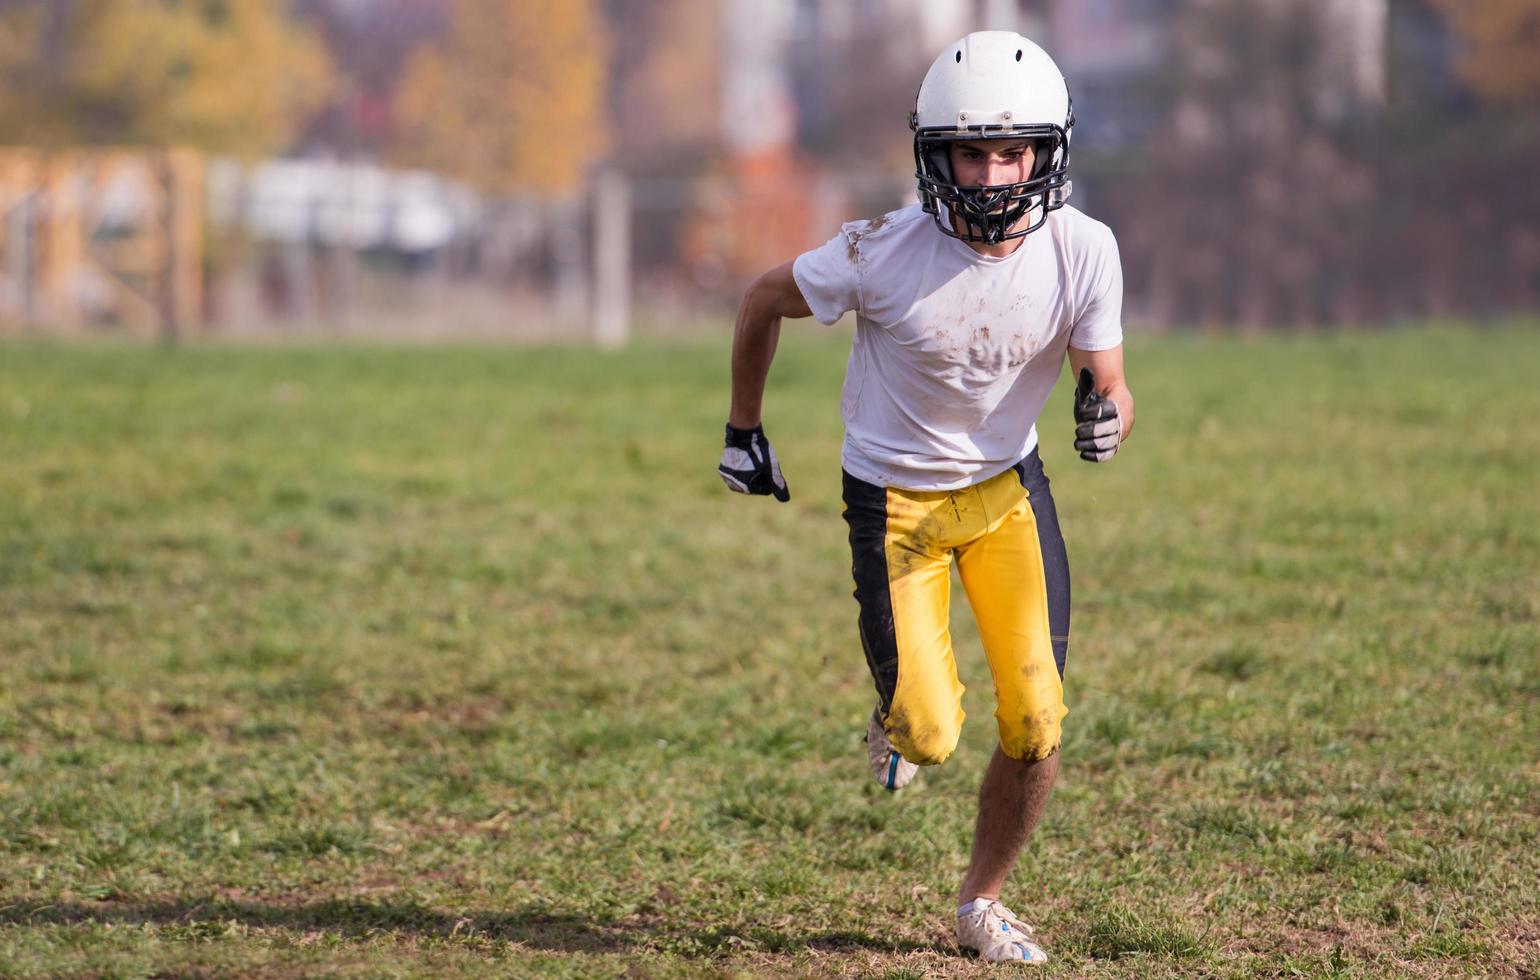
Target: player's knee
[(1034, 737), (924, 737), (1023, 750)]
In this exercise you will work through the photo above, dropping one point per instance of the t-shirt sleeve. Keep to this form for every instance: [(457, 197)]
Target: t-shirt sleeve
[(1100, 289), (830, 278)]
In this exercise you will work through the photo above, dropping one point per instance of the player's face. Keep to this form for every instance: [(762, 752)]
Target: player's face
[(990, 163)]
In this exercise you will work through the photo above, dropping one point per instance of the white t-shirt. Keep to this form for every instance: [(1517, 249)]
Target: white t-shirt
[(955, 352)]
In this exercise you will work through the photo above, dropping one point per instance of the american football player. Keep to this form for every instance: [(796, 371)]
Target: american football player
[(967, 305)]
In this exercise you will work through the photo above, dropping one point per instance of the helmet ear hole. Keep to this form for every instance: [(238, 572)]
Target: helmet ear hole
[(939, 156), (1042, 157), (1018, 54), (959, 57)]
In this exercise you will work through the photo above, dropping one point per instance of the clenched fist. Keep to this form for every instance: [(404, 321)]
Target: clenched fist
[(1098, 429), (749, 464)]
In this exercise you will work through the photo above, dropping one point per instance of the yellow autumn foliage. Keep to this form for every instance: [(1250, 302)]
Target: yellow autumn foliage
[(233, 77), (510, 100), (1502, 58), (22, 119)]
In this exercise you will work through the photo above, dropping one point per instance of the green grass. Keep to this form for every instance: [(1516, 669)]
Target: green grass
[(423, 662)]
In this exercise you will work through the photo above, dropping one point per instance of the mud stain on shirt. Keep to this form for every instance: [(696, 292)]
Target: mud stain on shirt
[(854, 235)]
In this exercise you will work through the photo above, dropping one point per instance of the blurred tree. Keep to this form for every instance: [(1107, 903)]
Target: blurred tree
[(855, 73), (1266, 197), (510, 99), (369, 43), (1459, 232), (231, 76), (23, 75), (1248, 211), (665, 82), (1502, 60)]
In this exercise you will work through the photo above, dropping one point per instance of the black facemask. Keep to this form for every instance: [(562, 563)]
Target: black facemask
[(990, 214)]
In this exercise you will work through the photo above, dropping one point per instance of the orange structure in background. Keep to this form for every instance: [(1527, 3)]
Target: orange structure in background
[(102, 237), (774, 209), (761, 213)]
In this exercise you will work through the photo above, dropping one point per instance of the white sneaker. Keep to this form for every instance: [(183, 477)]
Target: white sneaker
[(998, 936), (892, 770)]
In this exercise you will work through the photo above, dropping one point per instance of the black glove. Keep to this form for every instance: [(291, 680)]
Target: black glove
[(1098, 430), (749, 464)]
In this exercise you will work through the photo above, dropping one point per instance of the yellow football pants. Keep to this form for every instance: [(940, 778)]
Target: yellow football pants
[(903, 543)]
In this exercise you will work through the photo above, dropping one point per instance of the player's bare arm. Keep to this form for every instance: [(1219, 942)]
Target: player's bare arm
[(768, 299), (1104, 407), (749, 464)]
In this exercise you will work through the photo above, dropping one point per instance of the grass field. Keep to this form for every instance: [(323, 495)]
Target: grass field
[(432, 662)]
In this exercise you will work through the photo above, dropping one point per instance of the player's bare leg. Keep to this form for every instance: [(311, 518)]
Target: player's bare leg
[(1011, 801)]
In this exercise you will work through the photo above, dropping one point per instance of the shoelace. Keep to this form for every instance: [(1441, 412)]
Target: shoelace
[(1008, 917)]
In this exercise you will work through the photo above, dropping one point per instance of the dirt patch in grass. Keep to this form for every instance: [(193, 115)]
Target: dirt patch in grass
[(1356, 940), (1516, 946), (1357, 944)]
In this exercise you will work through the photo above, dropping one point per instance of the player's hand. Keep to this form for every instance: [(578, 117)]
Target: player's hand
[(749, 464), (1098, 429)]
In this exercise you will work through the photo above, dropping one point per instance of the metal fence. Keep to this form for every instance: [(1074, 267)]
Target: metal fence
[(170, 244)]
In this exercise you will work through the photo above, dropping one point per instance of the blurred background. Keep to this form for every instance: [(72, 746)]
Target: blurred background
[(584, 169)]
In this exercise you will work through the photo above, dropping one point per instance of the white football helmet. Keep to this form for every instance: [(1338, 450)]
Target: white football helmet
[(992, 85)]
